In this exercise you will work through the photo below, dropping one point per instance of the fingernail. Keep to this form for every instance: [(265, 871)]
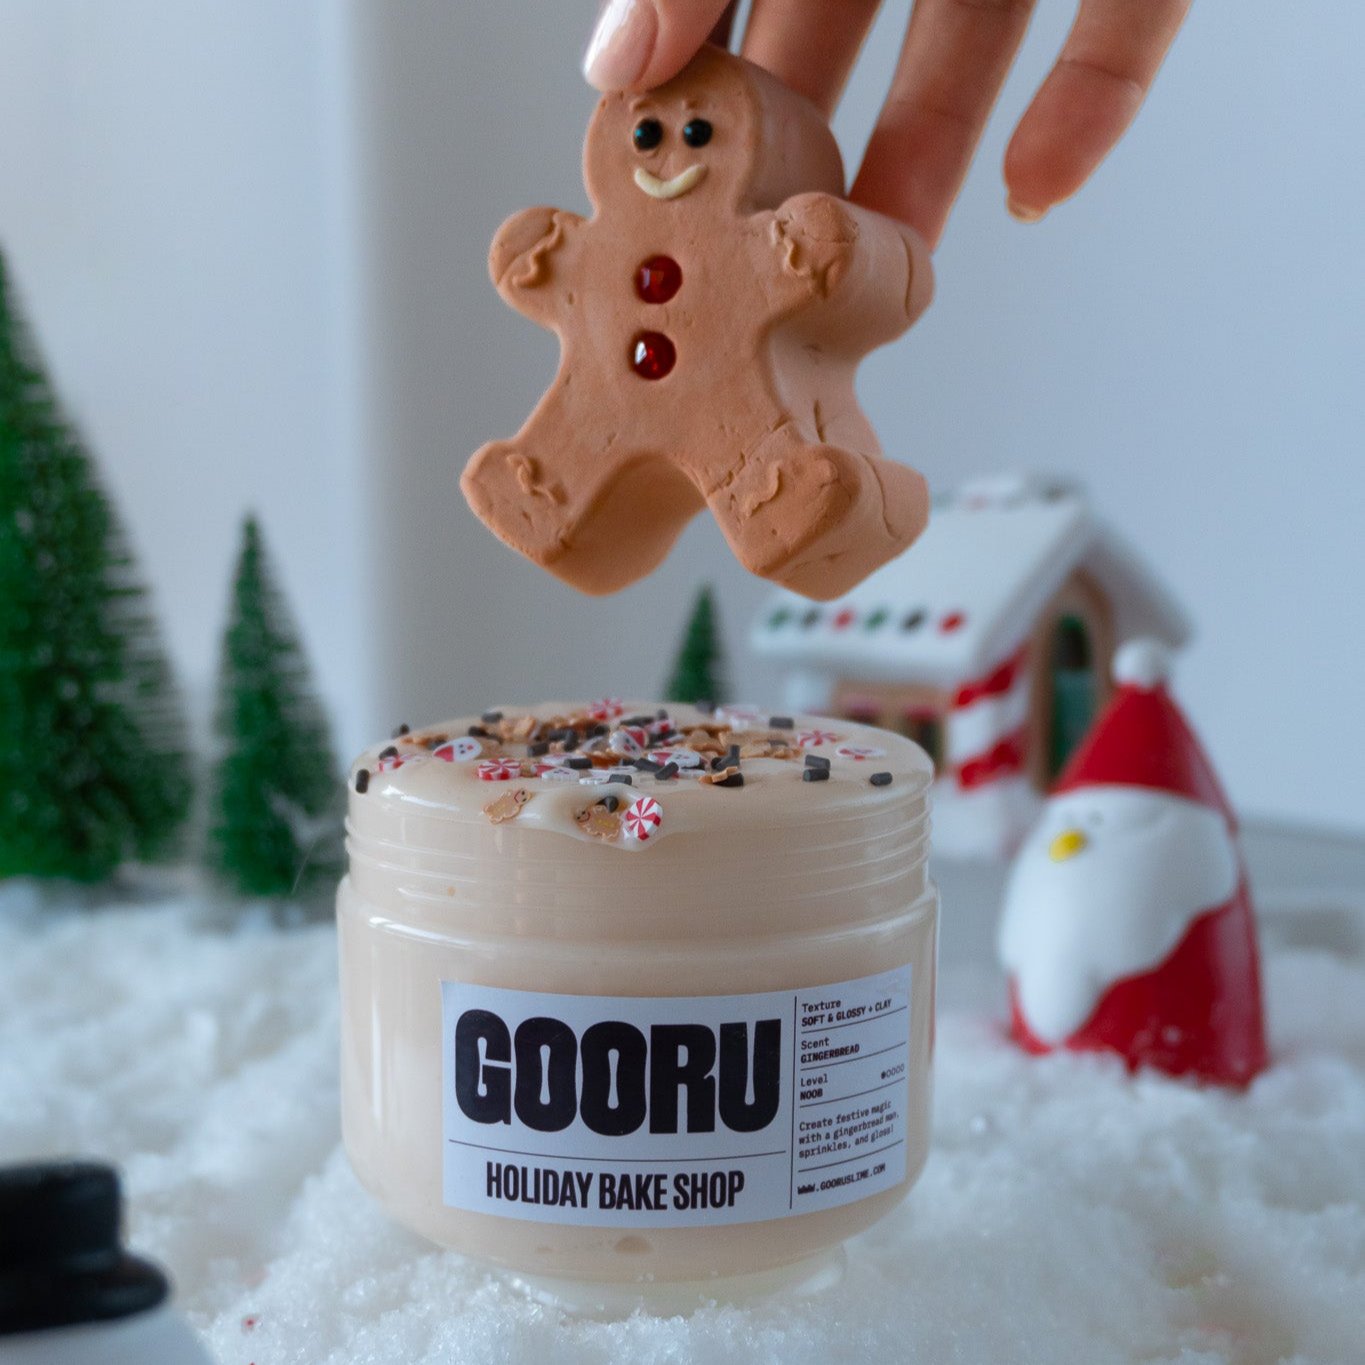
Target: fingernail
[(621, 44), (1025, 213)]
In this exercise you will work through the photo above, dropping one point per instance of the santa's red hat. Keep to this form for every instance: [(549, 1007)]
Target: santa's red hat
[(1142, 739)]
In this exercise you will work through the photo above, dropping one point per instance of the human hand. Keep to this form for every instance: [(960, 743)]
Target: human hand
[(953, 62)]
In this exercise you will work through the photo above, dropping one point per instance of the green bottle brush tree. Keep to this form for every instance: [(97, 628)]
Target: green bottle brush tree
[(276, 823), (698, 672), (94, 770)]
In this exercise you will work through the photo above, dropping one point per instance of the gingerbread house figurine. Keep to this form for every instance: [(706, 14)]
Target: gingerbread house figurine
[(987, 641)]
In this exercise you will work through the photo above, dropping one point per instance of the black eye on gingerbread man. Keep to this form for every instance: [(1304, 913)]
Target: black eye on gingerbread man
[(649, 132), (697, 132)]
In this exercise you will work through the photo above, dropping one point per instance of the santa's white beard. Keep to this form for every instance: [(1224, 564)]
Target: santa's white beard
[(1151, 865)]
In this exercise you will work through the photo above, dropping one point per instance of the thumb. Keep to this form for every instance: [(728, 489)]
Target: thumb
[(639, 44)]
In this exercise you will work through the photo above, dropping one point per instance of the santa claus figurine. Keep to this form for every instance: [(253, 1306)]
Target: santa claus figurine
[(1128, 925)]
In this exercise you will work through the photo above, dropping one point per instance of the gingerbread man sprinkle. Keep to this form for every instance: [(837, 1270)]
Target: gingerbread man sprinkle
[(711, 315), (507, 806)]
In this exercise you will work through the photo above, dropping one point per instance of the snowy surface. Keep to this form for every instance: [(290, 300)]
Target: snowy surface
[(1068, 1213)]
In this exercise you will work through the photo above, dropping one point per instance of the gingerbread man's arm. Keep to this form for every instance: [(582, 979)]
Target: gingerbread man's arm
[(834, 256), (527, 260)]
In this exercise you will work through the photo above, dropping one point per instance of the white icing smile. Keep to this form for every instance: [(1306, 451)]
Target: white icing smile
[(669, 189)]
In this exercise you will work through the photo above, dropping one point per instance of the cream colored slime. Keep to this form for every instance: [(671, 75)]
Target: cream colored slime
[(778, 884)]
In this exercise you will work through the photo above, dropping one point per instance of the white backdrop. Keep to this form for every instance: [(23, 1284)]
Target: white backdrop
[(252, 237)]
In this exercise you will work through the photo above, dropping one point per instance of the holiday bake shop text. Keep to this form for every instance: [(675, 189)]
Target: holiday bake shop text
[(674, 1111)]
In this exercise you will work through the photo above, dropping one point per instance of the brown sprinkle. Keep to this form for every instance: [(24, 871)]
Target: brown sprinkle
[(720, 777)]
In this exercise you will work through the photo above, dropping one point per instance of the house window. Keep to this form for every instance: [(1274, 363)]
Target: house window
[(1073, 689), (926, 729)]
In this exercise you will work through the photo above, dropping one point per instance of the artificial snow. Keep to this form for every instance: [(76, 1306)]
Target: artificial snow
[(1068, 1213)]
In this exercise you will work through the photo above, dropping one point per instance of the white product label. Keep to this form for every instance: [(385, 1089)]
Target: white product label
[(674, 1111)]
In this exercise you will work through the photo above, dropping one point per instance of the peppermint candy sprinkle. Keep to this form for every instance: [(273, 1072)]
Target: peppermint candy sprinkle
[(807, 738), (643, 817), (607, 708), (498, 770), (859, 751)]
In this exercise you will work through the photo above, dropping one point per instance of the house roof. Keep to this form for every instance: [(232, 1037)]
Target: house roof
[(967, 594)]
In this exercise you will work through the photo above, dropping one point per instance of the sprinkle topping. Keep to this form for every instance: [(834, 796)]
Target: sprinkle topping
[(603, 770)]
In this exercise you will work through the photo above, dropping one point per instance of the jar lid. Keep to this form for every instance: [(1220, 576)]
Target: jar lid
[(61, 1261)]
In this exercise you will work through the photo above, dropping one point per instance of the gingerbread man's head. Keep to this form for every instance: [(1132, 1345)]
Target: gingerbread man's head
[(723, 136)]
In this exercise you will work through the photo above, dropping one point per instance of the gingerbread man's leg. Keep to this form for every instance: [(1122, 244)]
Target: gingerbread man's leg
[(816, 518), (598, 519)]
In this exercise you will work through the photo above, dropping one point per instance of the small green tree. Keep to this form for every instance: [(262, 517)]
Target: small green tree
[(699, 672), (94, 768), (276, 823)]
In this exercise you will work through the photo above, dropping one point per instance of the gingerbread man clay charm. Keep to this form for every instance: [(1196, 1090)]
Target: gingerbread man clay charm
[(711, 315)]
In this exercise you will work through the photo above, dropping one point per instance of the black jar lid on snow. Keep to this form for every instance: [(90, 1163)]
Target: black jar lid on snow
[(61, 1262)]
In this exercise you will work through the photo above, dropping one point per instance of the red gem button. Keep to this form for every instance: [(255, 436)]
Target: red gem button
[(652, 355), (953, 621), (658, 279), (844, 619)]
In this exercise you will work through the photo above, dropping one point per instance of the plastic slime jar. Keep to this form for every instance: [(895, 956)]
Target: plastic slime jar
[(638, 996)]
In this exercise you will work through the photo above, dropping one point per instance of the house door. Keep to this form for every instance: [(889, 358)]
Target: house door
[(1074, 690)]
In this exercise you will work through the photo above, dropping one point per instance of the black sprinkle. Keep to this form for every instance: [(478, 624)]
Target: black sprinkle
[(390, 752), (638, 722), (491, 717), (705, 707), (815, 761), (479, 732), (815, 774), (580, 764), (646, 765), (781, 723), (734, 780), (624, 779), (667, 771), (434, 743), (610, 802), (569, 744), (661, 714), (732, 757), (718, 763), (362, 780), (403, 729), (880, 779), (536, 750), (596, 730)]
